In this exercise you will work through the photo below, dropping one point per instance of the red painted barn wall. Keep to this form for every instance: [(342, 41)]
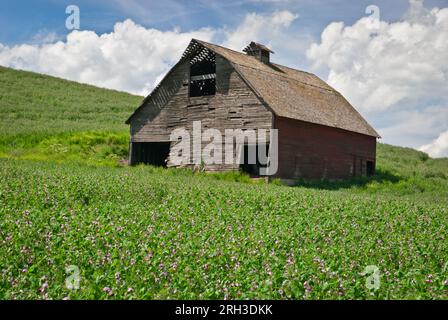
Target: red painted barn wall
[(312, 151)]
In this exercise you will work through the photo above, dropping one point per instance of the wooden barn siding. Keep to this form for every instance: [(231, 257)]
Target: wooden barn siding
[(233, 107), (311, 151)]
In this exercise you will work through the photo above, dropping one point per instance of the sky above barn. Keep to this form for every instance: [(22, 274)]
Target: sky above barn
[(388, 58)]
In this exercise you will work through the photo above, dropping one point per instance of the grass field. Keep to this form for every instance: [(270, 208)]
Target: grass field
[(146, 233)]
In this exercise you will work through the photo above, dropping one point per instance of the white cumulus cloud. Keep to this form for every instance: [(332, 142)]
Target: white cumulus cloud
[(438, 147), (379, 68), (258, 27), (391, 68), (131, 58)]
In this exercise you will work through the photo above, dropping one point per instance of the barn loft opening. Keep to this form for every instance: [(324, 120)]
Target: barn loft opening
[(152, 153), (203, 74), (252, 163)]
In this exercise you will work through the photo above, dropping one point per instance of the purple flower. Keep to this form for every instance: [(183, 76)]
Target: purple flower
[(307, 287), (108, 291), (44, 287)]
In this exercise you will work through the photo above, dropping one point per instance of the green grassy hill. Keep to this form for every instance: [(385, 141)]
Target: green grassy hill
[(35, 104), (47, 118), (144, 232), (51, 119)]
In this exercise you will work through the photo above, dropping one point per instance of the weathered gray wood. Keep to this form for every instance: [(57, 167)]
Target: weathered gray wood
[(234, 106), (320, 135)]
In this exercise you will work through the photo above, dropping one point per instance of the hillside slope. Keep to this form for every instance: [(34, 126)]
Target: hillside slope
[(51, 119), (47, 118), (150, 233), (39, 105)]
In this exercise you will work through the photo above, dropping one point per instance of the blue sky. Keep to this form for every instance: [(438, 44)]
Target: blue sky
[(395, 75), (21, 20)]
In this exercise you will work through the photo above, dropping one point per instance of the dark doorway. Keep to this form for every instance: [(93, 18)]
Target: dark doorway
[(370, 168), (153, 153), (252, 163)]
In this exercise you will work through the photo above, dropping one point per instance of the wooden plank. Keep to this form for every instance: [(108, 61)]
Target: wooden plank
[(234, 106)]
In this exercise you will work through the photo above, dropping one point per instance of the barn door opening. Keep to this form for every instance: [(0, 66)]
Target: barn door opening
[(251, 162), (363, 167), (370, 168), (152, 153)]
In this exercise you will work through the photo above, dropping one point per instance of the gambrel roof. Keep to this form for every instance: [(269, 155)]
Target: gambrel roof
[(288, 92)]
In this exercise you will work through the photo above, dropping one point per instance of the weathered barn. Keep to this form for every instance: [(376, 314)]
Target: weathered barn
[(320, 135)]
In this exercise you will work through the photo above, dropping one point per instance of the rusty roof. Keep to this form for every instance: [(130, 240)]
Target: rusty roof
[(288, 92), (295, 94)]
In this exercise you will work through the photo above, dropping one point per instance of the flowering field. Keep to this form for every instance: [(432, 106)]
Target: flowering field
[(77, 224), (151, 233)]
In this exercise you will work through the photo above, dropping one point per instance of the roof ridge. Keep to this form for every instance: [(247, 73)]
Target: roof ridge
[(272, 72), (331, 107), (284, 76), (217, 45)]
